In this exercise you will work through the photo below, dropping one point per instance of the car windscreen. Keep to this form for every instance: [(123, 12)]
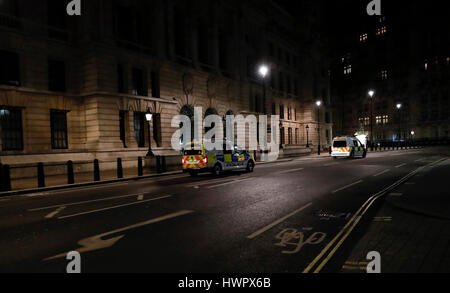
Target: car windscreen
[(340, 144), (192, 152)]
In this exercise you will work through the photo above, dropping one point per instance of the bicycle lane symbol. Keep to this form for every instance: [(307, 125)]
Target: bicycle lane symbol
[(293, 238)]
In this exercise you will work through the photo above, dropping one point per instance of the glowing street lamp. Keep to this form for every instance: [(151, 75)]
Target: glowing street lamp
[(371, 95), (263, 71), (318, 103)]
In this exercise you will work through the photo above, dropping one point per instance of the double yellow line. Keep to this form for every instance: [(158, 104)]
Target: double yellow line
[(327, 253)]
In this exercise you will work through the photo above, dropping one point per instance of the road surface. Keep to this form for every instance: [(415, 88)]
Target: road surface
[(305, 215)]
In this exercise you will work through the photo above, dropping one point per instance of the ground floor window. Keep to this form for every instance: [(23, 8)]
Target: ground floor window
[(58, 122), (282, 138), (289, 135), (157, 135), (122, 120), (139, 128), (12, 132)]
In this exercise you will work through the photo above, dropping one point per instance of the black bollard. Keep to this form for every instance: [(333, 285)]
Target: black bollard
[(96, 170), (158, 164), (6, 178), (70, 175), (1, 177), (164, 164), (119, 168), (41, 175), (140, 168)]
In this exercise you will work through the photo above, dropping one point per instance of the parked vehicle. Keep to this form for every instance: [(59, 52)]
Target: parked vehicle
[(196, 159), (348, 147)]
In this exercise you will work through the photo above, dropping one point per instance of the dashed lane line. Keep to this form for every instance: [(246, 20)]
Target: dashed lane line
[(291, 171), (401, 165), (347, 186), (54, 213), (228, 183), (381, 173)]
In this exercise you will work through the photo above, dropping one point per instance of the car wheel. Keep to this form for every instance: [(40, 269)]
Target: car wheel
[(335, 158), (364, 154), (217, 170), (250, 167)]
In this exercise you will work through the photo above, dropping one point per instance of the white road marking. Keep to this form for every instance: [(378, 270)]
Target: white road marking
[(113, 207), (227, 183), (270, 226), (54, 213), (34, 194), (291, 171), (381, 173), (402, 165), (207, 182), (347, 186), (382, 219), (140, 197), (96, 242), (395, 194), (339, 239), (83, 202)]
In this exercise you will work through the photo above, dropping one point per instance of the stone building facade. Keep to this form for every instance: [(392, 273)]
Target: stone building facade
[(78, 87)]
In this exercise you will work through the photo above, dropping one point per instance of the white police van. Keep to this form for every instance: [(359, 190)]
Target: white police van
[(348, 147)]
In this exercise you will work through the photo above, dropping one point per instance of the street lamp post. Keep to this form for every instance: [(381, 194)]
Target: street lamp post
[(318, 103), (307, 136), (281, 136), (148, 117), (399, 108), (263, 72), (371, 94)]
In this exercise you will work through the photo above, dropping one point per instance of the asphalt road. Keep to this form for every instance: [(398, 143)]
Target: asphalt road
[(300, 216)]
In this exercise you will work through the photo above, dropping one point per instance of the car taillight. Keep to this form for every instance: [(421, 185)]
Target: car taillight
[(205, 160), (183, 161)]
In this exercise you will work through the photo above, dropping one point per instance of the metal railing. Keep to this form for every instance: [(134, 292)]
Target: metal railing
[(5, 171)]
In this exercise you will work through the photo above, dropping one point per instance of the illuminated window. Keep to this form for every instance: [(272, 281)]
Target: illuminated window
[(364, 121), (378, 119), (381, 31), (385, 119), (363, 37), (347, 69), (448, 60), (384, 74), (426, 65)]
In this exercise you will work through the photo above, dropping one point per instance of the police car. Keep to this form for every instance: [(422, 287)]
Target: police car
[(196, 159), (348, 147)]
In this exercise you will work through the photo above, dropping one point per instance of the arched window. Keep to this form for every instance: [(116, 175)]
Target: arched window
[(187, 110), (210, 111), (229, 113)]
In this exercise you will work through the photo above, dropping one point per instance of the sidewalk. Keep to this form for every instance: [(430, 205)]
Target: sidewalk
[(411, 231)]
